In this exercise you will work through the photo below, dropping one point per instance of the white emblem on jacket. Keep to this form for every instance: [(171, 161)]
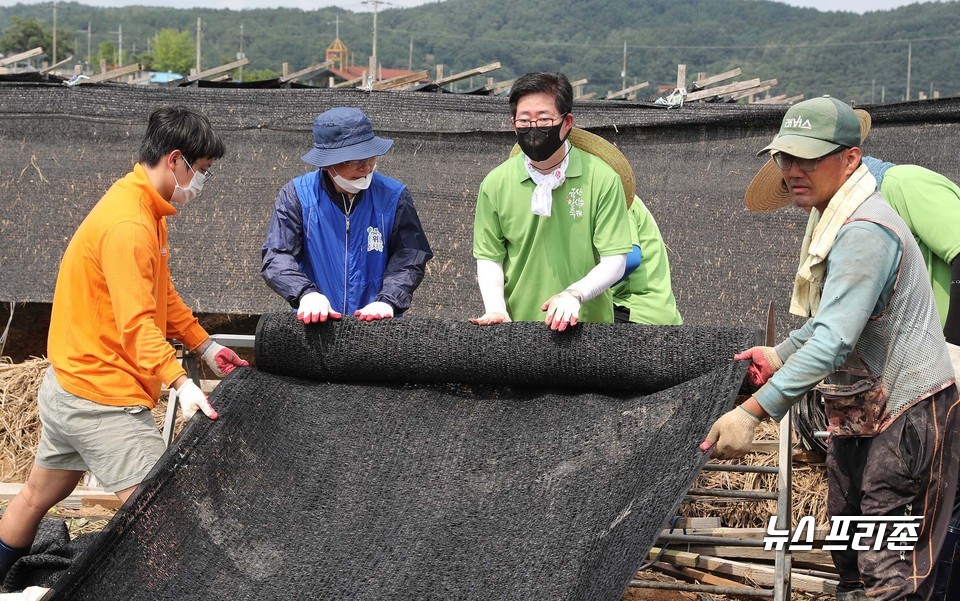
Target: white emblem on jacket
[(374, 240)]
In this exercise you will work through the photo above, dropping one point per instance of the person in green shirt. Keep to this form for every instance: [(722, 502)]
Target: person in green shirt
[(645, 295), (550, 230)]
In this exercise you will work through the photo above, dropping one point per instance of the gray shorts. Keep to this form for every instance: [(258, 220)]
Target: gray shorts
[(120, 445)]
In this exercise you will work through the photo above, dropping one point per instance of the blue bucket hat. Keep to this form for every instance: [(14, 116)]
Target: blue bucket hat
[(344, 134)]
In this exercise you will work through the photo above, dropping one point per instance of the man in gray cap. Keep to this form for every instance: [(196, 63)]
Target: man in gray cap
[(873, 346), (343, 238)]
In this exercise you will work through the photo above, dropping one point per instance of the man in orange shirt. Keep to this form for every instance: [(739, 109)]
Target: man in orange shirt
[(113, 308)]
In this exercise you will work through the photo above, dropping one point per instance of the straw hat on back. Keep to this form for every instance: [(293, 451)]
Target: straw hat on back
[(606, 152), (768, 191)]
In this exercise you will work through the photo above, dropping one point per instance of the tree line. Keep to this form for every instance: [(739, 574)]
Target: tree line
[(850, 56)]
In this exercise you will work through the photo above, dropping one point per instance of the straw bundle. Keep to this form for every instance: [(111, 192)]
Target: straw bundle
[(19, 421), (809, 490)]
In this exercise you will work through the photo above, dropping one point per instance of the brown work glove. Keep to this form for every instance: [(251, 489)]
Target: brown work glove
[(764, 363), (732, 434)]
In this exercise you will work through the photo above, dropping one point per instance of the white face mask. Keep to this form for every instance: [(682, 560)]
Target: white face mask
[(352, 186), (183, 195)]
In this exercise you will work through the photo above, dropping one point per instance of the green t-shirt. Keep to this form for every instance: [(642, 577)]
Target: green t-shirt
[(543, 255), (647, 292), (930, 205)]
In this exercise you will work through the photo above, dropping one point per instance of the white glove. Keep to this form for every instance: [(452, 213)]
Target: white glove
[(221, 359), (562, 310), (375, 310), (732, 433), (315, 307), (192, 398)]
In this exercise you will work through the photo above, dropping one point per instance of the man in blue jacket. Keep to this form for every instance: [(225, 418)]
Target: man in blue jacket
[(343, 238)]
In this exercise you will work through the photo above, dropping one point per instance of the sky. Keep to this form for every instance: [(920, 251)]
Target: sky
[(858, 6)]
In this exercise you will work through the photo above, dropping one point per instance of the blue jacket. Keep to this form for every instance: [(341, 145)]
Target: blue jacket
[(308, 248)]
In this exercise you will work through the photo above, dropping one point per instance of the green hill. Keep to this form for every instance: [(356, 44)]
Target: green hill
[(844, 54)]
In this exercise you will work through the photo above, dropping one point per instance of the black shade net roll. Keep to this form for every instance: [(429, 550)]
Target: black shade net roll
[(634, 359), (505, 489)]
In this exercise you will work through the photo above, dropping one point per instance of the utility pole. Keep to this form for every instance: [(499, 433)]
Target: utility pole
[(54, 33), (909, 60), (873, 92), (373, 55), (410, 57), (89, 45), (623, 73), (119, 33), (199, 25), (240, 55)]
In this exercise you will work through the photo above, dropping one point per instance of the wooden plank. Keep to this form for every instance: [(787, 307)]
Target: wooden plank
[(141, 80), (106, 500), (218, 70), (349, 82), (709, 81), (465, 74), (110, 75), (677, 558), (501, 85), (304, 72), (8, 490), (56, 66), (22, 56), (721, 90), (817, 556), (625, 91), (588, 96), (763, 87), (681, 77), (765, 575), (579, 82), (684, 523), (402, 80), (694, 575)]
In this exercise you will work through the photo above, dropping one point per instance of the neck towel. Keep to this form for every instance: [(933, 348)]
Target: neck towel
[(542, 199)]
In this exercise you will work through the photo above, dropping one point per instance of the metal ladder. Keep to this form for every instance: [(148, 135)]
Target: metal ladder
[(783, 560)]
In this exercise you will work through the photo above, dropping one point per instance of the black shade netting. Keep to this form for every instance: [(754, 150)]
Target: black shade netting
[(598, 357), (306, 489)]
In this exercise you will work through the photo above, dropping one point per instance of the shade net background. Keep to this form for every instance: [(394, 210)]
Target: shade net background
[(62, 148), (339, 488)]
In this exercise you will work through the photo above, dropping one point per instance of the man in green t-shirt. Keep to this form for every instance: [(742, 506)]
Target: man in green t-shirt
[(550, 232), (646, 295)]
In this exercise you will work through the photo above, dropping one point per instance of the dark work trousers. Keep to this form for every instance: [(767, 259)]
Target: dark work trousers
[(908, 469)]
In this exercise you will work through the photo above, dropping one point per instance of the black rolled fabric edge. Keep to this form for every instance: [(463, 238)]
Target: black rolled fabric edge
[(609, 358)]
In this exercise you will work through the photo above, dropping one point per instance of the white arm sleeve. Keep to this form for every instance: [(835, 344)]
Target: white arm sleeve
[(602, 276), (490, 279)]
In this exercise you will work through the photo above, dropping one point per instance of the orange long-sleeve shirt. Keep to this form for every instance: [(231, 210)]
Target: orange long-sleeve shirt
[(115, 305)]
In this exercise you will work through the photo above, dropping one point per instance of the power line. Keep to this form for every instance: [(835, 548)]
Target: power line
[(529, 42)]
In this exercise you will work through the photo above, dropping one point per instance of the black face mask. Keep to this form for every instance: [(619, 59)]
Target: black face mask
[(540, 145)]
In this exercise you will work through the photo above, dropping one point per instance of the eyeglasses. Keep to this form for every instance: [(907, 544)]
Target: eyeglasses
[(358, 163), (785, 161), (543, 124), (208, 174)]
